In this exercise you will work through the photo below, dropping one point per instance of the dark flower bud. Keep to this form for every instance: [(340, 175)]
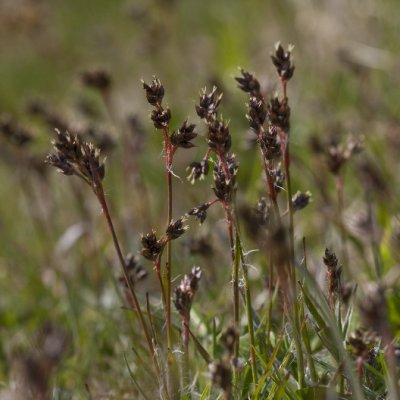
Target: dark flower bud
[(279, 178), (183, 136), (219, 137), (200, 212), (263, 212), (301, 200), (270, 145), (256, 113), (184, 293), (151, 246), (135, 270), (228, 339), (225, 186), (14, 133), (283, 62), (176, 229), (198, 170), (333, 273), (61, 163), (154, 91), (361, 343), (160, 117), (279, 113), (249, 84), (209, 103), (96, 79), (221, 375)]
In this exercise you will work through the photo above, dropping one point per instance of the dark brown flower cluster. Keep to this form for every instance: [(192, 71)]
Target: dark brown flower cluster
[(74, 157), (176, 229), (13, 133), (183, 136), (283, 61), (152, 247), (301, 200), (224, 187), (198, 170), (279, 113), (361, 343), (155, 94), (334, 272), (185, 292), (200, 212), (135, 271), (97, 79)]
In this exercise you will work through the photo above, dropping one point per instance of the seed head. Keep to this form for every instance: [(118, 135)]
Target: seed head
[(160, 117), (198, 170), (334, 272), (228, 339), (218, 136), (183, 136), (224, 187), (96, 79), (301, 200), (256, 113), (135, 270), (208, 105), (200, 212), (13, 133), (154, 91), (249, 84), (270, 144), (152, 247), (74, 157), (221, 375), (283, 61), (184, 293), (279, 113), (176, 229)]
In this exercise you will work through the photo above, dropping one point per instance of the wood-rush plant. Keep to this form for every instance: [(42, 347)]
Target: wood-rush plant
[(297, 343)]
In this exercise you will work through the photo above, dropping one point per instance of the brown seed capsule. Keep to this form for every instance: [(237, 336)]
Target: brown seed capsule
[(249, 84), (183, 136), (154, 91), (152, 247), (96, 79), (283, 61)]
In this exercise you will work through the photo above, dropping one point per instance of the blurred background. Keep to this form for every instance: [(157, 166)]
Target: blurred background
[(58, 272)]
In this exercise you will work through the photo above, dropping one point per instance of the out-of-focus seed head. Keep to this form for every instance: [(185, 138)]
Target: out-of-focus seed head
[(334, 272), (249, 84), (176, 228), (301, 200), (373, 308), (97, 79), (152, 247), (154, 91), (279, 113), (208, 105), (198, 170), (225, 187), (185, 292), (160, 117), (279, 178), (13, 133), (228, 339), (283, 62), (200, 212), (270, 144), (256, 113), (361, 343), (135, 270), (221, 375), (199, 245), (183, 136), (263, 212)]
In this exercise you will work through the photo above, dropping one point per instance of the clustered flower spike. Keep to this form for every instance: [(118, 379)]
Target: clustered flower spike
[(13, 133), (176, 229), (219, 138), (183, 136), (334, 272), (256, 114), (200, 212), (279, 113), (301, 200), (208, 105), (185, 292), (223, 187), (249, 84), (97, 79), (154, 91), (152, 246), (198, 170), (283, 61), (73, 157), (135, 270)]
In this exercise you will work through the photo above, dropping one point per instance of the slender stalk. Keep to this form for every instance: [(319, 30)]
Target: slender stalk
[(340, 208)]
